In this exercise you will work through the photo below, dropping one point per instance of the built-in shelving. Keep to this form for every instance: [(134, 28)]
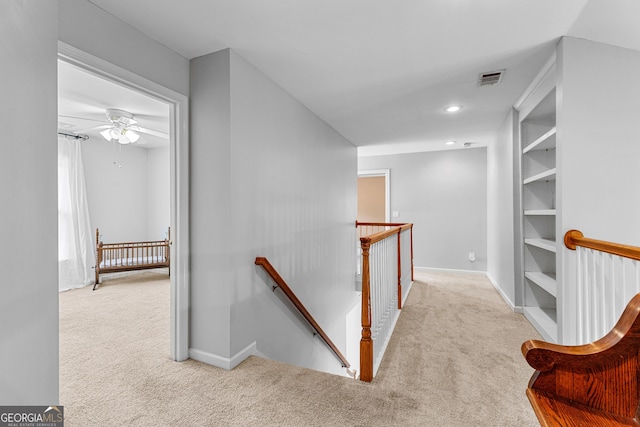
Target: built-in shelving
[(548, 175), (547, 245), (544, 320), (546, 142), (538, 142), (540, 212), (546, 281)]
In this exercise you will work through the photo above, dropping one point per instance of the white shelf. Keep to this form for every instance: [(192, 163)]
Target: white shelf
[(546, 281), (538, 161), (547, 245), (544, 320), (548, 175), (545, 142), (540, 212)]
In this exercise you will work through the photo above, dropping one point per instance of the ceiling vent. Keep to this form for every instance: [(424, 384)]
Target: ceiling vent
[(490, 78)]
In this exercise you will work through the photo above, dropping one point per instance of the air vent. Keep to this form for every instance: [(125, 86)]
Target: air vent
[(490, 78)]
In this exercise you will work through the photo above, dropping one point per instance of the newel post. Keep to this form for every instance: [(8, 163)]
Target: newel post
[(570, 238), (399, 269), (366, 344), (411, 243)]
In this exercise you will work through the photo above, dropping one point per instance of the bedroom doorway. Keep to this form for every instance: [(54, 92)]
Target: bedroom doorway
[(174, 176), (373, 196)]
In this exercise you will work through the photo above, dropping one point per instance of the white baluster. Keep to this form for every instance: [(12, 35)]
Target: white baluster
[(580, 297)]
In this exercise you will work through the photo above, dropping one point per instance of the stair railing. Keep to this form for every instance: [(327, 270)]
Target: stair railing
[(608, 276), (280, 283), (387, 269)]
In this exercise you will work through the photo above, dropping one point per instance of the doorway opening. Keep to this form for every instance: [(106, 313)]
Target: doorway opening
[(177, 105), (373, 196)]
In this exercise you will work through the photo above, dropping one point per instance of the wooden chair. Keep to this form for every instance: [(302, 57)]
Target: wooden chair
[(596, 384)]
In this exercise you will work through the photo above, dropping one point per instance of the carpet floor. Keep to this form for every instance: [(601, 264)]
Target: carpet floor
[(454, 360)]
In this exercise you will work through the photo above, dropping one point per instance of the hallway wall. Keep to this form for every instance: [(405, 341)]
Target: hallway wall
[(29, 208), (501, 214), (598, 153), (30, 32), (269, 178), (444, 194)]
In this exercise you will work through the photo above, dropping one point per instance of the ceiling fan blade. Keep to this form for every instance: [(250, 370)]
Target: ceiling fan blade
[(82, 118), (151, 132), (94, 128)]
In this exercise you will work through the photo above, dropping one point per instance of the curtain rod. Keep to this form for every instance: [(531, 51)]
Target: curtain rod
[(70, 135)]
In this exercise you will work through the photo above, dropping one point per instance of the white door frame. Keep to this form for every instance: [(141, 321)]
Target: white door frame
[(385, 173), (179, 178)]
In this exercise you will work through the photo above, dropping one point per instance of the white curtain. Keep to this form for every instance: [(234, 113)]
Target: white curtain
[(76, 254)]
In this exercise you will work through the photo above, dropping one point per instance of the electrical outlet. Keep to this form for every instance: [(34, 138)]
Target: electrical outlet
[(472, 256), (395, 214)]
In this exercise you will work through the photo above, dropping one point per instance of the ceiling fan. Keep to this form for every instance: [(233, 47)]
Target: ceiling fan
[(122, 127)]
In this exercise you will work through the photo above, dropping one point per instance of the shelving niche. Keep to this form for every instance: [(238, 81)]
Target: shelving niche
[(539, 244)]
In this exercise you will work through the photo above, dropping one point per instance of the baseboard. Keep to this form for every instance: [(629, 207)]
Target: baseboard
[(504, 296), (449, 270), (377, 363), (406, 292), (223, 362)]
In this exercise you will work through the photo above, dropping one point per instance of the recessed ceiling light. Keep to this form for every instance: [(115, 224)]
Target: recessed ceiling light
[(450, 142), (453, 108)]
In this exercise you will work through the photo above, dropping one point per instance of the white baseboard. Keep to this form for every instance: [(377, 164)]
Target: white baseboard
[(504, 296), (405, 292), (514, 308), (449, 270), (227, 363)]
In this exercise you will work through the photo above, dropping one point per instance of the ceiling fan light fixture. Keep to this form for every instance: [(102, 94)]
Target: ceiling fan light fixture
[(131, 135), (123, 139), (106, 134)]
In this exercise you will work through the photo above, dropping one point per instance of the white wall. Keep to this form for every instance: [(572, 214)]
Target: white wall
[(117, 193), (268, 178), (90, 29), (294, 201), (598, 150), (444, 194), (127, 190), (158, 193), (500, 213), (210, 197), (28, 211), (29, 33)]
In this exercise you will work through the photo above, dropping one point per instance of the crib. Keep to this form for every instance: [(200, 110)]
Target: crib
[(131, 256)]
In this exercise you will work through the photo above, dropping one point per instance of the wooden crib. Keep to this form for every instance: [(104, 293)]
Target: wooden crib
[(131, 256)]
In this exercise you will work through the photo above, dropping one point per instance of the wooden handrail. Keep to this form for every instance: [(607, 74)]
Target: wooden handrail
[(380, 224), (271, 271), (574, 238), (386, 233), (368, 227)]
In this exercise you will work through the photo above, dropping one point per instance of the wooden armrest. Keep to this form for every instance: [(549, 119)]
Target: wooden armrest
[(603, 376), (623, 339), (566, 413)]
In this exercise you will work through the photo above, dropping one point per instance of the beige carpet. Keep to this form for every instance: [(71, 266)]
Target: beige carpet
[(454, 361)]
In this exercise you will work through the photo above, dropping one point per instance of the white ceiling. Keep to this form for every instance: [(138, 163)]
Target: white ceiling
[(382, 71), (84, 98)]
